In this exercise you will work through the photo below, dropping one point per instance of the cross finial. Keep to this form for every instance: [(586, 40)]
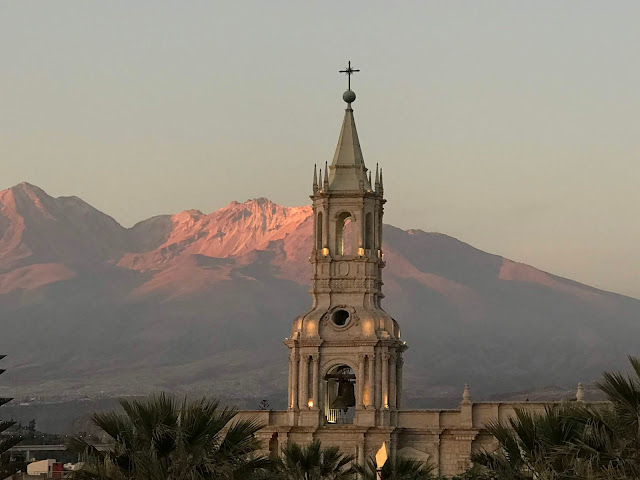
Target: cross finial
[(349, 71)]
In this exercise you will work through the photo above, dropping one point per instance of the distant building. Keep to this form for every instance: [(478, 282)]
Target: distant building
[(44, 469), (346, 352)]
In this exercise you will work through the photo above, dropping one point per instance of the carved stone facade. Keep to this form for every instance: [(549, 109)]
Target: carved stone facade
[(445, 438), (345, 353)]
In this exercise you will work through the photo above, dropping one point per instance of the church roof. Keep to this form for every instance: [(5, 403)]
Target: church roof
[(347, 171)]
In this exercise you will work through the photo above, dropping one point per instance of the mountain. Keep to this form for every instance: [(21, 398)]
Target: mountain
[(198, 302)]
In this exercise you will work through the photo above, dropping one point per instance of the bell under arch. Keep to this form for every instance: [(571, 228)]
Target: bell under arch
[(340, 394)]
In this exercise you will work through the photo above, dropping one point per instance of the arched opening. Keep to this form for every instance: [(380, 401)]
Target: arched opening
[(368, 229), (319, 232), (344, 234), (273, 446), (340, 399)]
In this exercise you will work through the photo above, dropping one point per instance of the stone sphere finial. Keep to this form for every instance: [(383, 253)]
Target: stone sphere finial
[(466, 394), (580, 393), (349, 96)]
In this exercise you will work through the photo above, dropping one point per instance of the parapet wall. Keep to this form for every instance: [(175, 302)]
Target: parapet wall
[(444, 437)]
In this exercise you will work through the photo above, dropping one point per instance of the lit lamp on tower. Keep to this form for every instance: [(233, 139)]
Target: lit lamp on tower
[(381, 459)]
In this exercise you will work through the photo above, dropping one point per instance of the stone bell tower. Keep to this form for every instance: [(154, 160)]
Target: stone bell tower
[(345, 360)]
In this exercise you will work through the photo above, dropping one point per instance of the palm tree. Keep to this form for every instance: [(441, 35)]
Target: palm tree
[(532, 443), (8, 465), (312, 462), (588, 442), (159, 438), (399, 468), (609, 447)]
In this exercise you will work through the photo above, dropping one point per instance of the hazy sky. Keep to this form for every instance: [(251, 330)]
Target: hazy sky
[(513, 126)]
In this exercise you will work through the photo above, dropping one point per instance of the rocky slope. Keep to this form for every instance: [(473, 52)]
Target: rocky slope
[(197, 302)]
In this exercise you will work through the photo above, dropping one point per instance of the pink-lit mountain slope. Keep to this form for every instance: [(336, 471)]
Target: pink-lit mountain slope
[(36, 228), (233, 230), (198, 302)]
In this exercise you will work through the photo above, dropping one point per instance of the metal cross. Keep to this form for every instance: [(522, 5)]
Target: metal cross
[(349, 71)]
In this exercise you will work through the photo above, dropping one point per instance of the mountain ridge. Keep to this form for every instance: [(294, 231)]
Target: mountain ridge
[(201, 302)]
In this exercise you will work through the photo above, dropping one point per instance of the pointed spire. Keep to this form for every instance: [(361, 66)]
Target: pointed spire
[(315, 178), (326, 177), (369, 178), (348, 171), (381, 182), (377, 179)]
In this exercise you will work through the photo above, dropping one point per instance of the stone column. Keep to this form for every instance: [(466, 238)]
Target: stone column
[(372, 370), (294, 381), (374, 227), (361, 229), (323, 396), (360, 451), (377, 386), (360, 382), (304, 381), (314, 388), (385, 380), (290, 386), (392, 381), (399, 364), (325, 230), (315, 231), (380, 227)]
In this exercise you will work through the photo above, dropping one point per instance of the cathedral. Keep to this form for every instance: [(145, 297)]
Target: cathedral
[(345, 353)]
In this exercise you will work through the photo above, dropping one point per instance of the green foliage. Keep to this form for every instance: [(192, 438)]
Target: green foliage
[(8, 464), (478, 473), (313, 462), (577, 441), (159, 438)]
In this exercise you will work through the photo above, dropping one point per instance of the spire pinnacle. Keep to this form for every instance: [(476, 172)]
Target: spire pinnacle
[(326, 177), (315, 178)]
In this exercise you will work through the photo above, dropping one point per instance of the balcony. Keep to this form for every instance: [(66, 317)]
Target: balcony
[(336, 416)]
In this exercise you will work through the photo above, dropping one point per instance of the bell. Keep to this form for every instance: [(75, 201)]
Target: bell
[(346, 396)]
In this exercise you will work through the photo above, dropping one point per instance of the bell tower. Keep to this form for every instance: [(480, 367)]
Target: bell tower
[(345, 354)]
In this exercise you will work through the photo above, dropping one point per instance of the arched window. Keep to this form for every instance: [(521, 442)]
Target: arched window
[(368, 229), (344, 237), (340, 390), (319, 232), (274, 450)]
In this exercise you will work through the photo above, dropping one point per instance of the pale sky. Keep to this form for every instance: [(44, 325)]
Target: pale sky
[(513, 126)]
